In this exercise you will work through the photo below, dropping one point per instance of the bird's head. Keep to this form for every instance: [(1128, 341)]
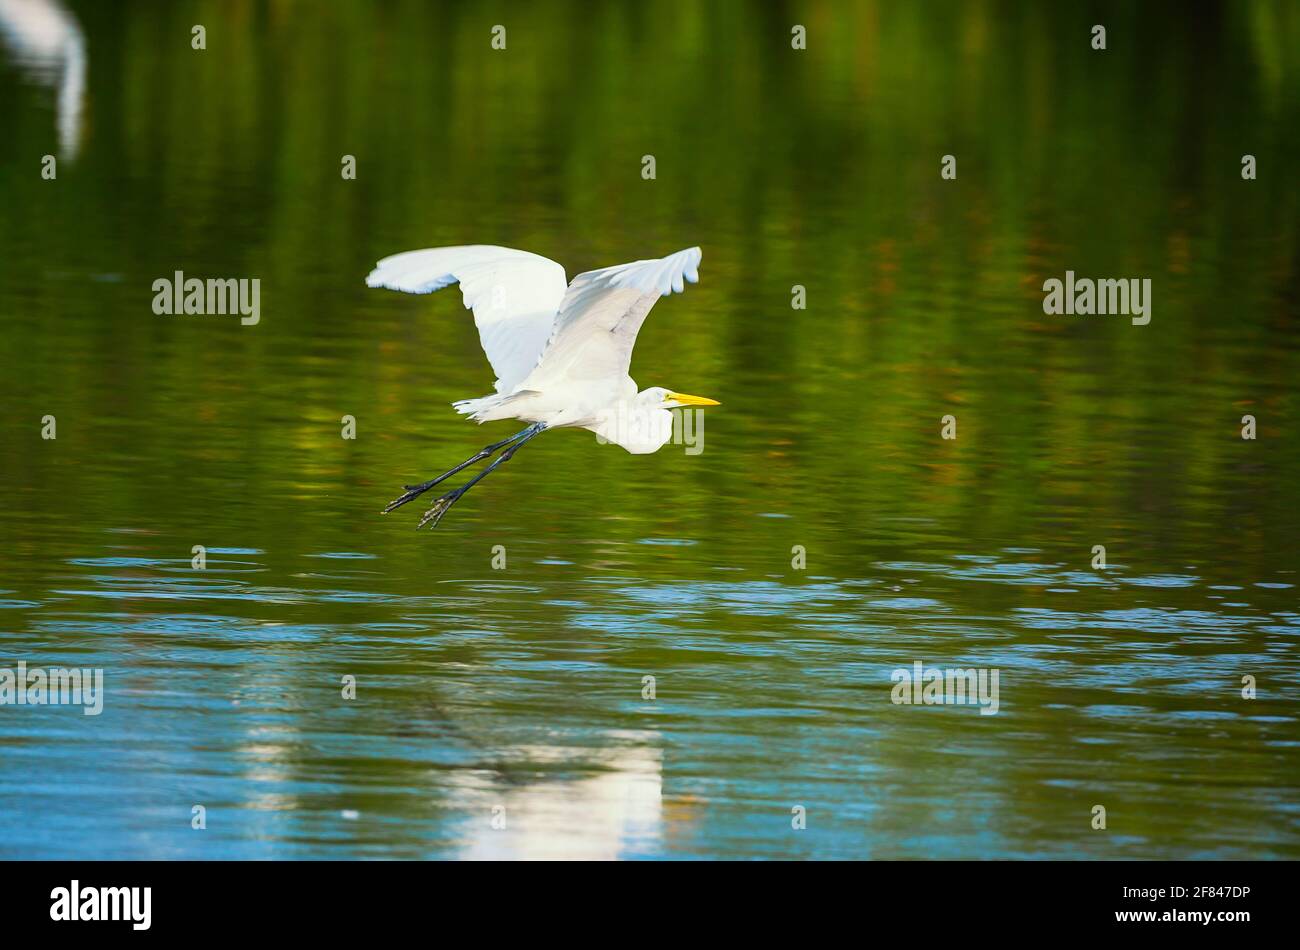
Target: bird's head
[(643, 424), (656, 397)]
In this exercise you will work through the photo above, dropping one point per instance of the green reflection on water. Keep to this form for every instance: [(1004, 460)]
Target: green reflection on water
[(816, 168)]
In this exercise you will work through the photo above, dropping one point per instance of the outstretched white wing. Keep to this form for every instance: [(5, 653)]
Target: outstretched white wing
[(603, 310), (514, 296)]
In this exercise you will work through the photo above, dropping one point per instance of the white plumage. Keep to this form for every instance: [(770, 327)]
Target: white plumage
[(561, 354), (602, 312), (514, 296)]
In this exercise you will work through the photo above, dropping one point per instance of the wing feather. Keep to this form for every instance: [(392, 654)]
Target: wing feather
[(514, 295), (602, 312)]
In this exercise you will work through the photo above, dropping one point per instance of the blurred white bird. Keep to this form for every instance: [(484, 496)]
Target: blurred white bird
[(561, 353), (46, 39)]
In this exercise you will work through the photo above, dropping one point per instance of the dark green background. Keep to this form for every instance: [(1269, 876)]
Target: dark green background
[(523, 687)]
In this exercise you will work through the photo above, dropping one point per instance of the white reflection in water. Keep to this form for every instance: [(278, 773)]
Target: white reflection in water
[(44, 38), (601, 817)]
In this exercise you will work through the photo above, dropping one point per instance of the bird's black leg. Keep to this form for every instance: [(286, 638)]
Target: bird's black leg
[(444, 502), (415, 491)]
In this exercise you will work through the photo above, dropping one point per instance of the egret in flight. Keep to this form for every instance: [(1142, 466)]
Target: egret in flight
[(561, 351)]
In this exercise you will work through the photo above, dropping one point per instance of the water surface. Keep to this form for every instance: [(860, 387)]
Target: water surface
[(482, 689)]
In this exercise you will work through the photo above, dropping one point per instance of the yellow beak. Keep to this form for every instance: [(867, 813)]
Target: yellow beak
[(688, 400)]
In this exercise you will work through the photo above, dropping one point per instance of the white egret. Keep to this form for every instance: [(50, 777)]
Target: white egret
[(561, 353), (47, 40)]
